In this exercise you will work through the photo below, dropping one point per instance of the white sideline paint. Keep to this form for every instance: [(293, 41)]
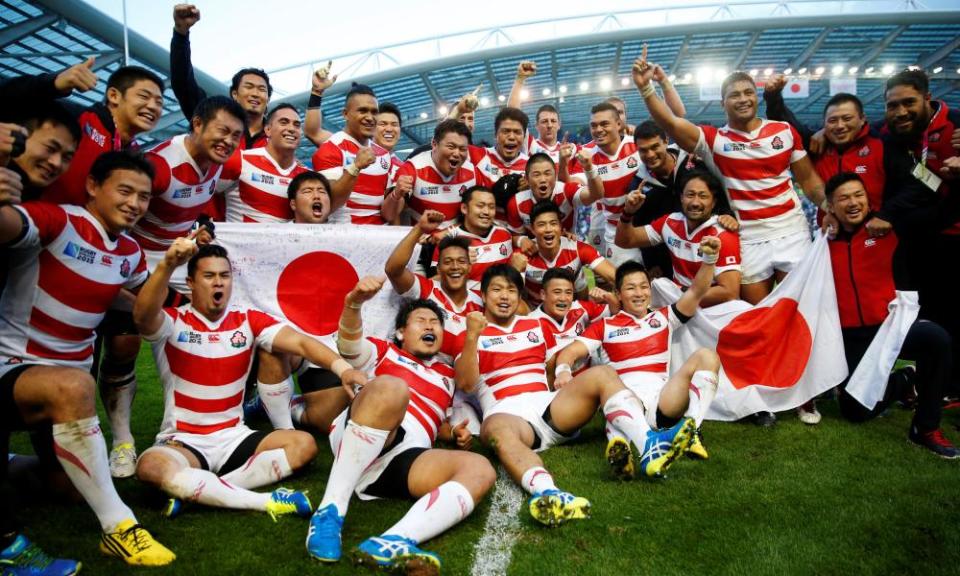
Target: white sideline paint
[(492, 553)]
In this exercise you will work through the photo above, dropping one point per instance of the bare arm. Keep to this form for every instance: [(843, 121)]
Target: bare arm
[(400, 277), (148, 308), (594, 191), (606, 271), (670, 95), (809, 180), (628, 235), (683, 132), (563, 360), (727, 288), (690, 301), (525, 70), (11, 224)]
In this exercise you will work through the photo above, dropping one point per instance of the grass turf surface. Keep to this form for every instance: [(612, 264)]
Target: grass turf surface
[(831, 499)]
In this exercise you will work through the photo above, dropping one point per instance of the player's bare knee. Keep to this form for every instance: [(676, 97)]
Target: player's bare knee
[(300, 450), (123, 348), (389, 393), (707, 359), (481, 475), (72, 396), (152, 468), (272, 368)]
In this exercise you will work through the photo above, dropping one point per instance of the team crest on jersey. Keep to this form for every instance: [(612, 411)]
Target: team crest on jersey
[(777, 143), (503, 249), (125, 268), (617, 333), (80, 253), (861, 169), (188, 337), (532, 336), (383, 163), (631, 162), (238, 340), (864, 152), (14, 360), (653, 322), (934, 137)]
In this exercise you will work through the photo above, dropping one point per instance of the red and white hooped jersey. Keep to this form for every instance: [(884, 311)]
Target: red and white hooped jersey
[(536, 146), (684, 245), (616, 171), (512, 360), (434, 191), (431, 383), (582, 313), (490, 166), (256, 187), (755, 169), (64, 273), (181, 192), (204, 364), (336, 155), (573, 255), (566, 195), (430, 289), (630, 344), (494, 248)]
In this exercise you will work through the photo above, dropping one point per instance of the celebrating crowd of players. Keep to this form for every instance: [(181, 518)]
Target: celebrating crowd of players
[(503, 333)]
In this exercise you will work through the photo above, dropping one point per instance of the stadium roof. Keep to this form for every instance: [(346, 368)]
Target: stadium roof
[(575, 69)]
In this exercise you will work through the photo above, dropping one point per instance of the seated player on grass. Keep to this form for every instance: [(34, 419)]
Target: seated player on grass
[(383, 443), (203, 350), (636, 343), (504, 358)]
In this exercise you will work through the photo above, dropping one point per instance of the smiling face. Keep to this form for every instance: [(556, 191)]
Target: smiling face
[(360, 116), (634, 293), (252, 94), (453, 268), (422, 336), (137, 109), (740, 102), (849, 204), (653, 153), (547, 231), (47, 155), (211, 286), (284, 130), (697, 202), (478, 213), (842, 123), (509, 139), (542, 178), (120, 200), (557, 298), (388, 130), (449, 153), (907, 111), (311, 205), (605, 127), (218, 139), (501, 300)]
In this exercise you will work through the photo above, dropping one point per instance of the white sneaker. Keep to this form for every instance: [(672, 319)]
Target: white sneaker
[(123, 460), (809, 414)]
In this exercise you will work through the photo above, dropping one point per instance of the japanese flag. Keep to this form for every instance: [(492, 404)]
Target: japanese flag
[(301, 272), (775, 355), (797, 88)]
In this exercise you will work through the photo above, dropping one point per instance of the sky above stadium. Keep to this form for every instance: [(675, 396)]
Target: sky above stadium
[(275, 33)]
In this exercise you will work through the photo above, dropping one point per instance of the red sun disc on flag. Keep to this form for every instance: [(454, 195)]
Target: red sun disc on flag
[(767, 346), (794, 88), (311, 288)]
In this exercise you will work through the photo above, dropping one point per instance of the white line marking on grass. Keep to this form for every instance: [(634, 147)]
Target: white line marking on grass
[(493, 550)]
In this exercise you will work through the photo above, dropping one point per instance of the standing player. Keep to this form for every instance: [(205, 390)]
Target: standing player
[(547, 118), (383, 444), (204, 453), (682, 232), (256, 180), (504, 359), (542, 184), (67, 265), (554, 250), (357, 167), (636, 343)]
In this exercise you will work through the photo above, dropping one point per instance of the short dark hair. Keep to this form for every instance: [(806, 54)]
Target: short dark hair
[(838, 180), (207, 109), (841, 98), (451, 125), (546, 108), (915, 78), (612, 99), (539, 157), (469, 192), (461, 242), (108, 162), (627, 268), (206, 251), (544, 206), (390, 108), (501, 270), (408, 307), (357, 89), (238, 77), (713, 183), (279, 107), (508, 113), (605, 107), (737, 76), (649, 129), (36, 115), (308, 176), (126, 76), (559, 274)]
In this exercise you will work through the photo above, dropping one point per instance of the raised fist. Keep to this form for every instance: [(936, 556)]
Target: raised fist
[(430, 220), (404, 185), (775, 83), (365, 157), (585, 159), (526, 69), (180, 251), (710, 246), (184, 17), (366, 288), (476, 322), (11, 187)]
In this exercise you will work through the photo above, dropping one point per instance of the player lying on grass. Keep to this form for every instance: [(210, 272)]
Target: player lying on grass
[(636, 343), (383, 443), (203, 350), (504, 358)]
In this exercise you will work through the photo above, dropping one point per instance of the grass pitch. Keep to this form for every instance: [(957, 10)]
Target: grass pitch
[(830, 499)]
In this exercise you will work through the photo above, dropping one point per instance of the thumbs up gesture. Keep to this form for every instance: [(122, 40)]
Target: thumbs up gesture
[(79, 77)]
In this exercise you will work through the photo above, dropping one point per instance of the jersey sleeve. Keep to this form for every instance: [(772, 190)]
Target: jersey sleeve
[(674, 317), (230, 173), (595, 310), (161, 173), (704, 148), (729, 258), (265, 328), (571, 193), (43, 222), (421, 288), (797, 153), (514, 222), (166, 327), (592, 337), (548, 336), (328, 160), (589, 255), (654, 230)]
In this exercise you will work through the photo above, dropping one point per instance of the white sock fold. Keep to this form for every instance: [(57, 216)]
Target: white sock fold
[(196, 485), (434, 513), (703, 389), (624, 411), (359, 446), (117, 393), (82, 452), (276, 402), (261, 469), (535, 480)]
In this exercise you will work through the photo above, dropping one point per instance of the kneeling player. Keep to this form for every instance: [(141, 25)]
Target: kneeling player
[(383, 442), (204, 453), (636, 343), (504, 357)]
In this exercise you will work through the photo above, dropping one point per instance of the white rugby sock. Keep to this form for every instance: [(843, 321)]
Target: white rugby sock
[(196, 485), (703, 388), (624, 411), (261, 469), (612, 432), (117, 393), (434, 513), (535, 480), (298, 407), (359, 446), (82, 452), (276, 402)]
